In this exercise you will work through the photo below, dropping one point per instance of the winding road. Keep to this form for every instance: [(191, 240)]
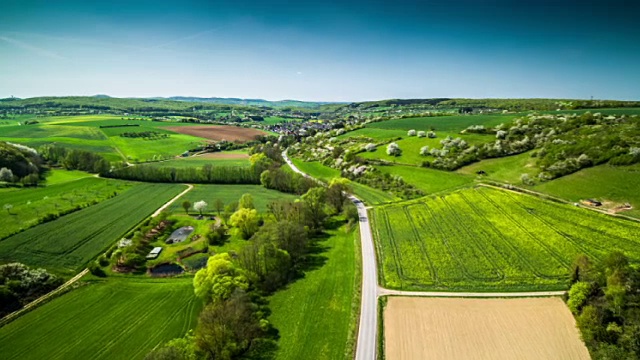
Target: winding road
[(366, 346)]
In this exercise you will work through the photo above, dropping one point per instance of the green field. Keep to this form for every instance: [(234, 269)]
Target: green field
[(411, 146), (428, 180), (84, 132), (116, 319), (32, 204), (200, 161), (485, 239), (619, 184), (229, 193), (368, 194), (69, 242), (316, 315), (505, 169), (57, 176), (454, 123)]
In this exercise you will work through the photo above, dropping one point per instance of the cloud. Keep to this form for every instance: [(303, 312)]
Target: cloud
[(33, 49), (299, 73)]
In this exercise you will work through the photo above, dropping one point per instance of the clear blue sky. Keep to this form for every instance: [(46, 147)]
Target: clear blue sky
[(348, 50)]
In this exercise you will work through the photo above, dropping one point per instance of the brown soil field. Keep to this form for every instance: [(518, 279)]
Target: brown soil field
[(219, 132), (223, 155), (445, 328)]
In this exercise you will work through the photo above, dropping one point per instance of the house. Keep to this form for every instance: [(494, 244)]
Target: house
[(154, 253)]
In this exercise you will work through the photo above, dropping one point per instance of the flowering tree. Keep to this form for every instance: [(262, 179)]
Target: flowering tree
[(411, 133), (422, 134), (393, 149), (200, 206)]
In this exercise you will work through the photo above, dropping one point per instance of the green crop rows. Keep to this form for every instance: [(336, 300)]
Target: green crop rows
[(118, 319), (30, 205), (69, 242), (485, 239)]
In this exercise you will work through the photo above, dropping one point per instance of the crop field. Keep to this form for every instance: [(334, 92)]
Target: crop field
[(454, 123), (317, 313), (613, 185), (367, 194), (30, 205), (492, 329), (57, 176), (229, 193), (486, 239), (428, 180), (116, 319), (66, 244), (220, 132)]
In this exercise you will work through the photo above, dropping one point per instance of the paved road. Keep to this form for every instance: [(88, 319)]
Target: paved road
[(366, 346), (368, 326)]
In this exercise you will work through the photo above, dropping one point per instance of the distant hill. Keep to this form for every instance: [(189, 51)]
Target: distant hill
[(252, 102)]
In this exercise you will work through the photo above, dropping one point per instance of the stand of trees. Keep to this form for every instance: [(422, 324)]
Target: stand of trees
[(233, 324), (20, 285), (74, 159), (605, 299), (19, 163), (206, 175)]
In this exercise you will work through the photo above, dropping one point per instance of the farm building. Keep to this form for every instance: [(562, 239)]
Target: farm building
[(154, 253)]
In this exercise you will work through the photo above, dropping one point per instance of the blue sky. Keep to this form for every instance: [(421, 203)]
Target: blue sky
[(323, 51)]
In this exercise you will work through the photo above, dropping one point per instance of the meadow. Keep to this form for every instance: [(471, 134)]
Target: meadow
[(367, 194), (226, 158), (32, 205), (229, 193), (428, 180), (66, 244), (505, 169), (114, 319), (486, 239), (453, 123), (316, 315), (617, 184)]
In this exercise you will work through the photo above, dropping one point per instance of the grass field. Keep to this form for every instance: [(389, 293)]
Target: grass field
[(229, 193), (315, 315), (485, 239), (491, 329), (227, 158), (57, 176), (368, 194), (618, 184), (454, 123), (116, 319), (428, 180), (69, 242), (411, 145), (32, 204), (505, 169)]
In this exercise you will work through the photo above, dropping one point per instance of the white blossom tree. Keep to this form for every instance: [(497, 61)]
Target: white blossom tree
[(200, 206), (422, 134), (393, 149), (424, 151), (6, 174), (431, 135), (411, 133)]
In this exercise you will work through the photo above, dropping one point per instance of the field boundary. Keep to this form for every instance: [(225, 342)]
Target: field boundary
[(14, 315)]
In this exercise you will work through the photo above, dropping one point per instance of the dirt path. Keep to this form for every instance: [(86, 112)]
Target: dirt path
[(42, 298), (384, 292), (161, 209)]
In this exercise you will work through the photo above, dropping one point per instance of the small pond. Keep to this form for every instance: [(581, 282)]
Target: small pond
[(166, 270)]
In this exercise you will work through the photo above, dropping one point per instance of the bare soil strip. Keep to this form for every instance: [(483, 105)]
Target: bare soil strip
[(439, 328), (219, 132)]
